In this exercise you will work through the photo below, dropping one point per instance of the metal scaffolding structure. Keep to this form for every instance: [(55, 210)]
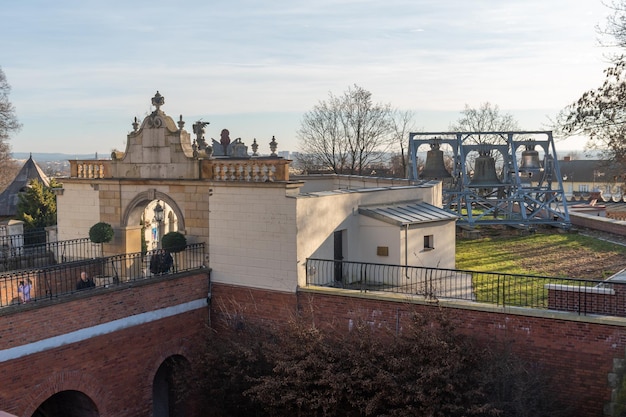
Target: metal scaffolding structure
[(494, 177)]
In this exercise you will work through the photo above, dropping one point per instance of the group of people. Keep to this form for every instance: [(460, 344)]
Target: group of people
[(161, 262), (25, 287)]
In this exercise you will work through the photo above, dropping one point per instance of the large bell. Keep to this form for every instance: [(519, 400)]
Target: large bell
[(434, 168), (530, 160), (484, 172)]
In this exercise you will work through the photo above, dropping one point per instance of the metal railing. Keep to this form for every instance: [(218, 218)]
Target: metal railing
[(540, 292), (28, 237), (32, 285), (15, 254)]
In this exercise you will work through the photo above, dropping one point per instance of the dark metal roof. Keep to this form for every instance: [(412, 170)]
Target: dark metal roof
[(407, 213), (9, 197), (582, 170)]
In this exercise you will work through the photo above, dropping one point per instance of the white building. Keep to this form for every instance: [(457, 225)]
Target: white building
[(259, 227)]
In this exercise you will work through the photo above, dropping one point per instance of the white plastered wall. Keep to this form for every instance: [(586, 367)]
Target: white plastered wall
[(319, 215), (79, 209), (402, 251), (441, 256), (252, 237)]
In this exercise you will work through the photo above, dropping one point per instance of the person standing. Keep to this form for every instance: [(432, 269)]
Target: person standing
[(23, 290), (166, 261), (85, 282), (155, 262)]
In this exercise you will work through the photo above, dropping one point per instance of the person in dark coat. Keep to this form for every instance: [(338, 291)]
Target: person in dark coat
[(155, 263), (166, 262), (84, 282)]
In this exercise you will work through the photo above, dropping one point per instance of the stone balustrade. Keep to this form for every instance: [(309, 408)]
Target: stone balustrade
[(90, 168), (246, 170), (227, 169)]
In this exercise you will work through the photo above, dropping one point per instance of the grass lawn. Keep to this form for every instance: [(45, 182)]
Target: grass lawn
[(548, 253)]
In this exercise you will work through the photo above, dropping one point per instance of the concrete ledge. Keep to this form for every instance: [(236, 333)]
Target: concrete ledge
[(575, 288), (468, 305), (604, 224)]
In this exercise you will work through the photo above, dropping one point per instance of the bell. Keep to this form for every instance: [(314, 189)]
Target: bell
[(530, 160), (434, 168), (484, 172)]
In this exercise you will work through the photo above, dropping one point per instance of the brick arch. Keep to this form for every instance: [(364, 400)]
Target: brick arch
[(67, 381), (161, 353), (132, 213)]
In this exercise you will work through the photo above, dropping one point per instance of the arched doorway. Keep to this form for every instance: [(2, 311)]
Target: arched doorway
[(67, 404), (140, 212), (167, 388), (155, 226)]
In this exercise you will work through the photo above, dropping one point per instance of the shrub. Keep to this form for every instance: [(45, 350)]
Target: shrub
[(101, 233), (174, 242)]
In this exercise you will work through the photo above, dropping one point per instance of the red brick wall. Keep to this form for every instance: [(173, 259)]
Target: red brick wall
[(588, 300), (115, 370), (598, 223), (579, 354)]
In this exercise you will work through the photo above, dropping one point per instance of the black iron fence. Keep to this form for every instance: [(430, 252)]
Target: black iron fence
[(32, 285), (565, 294), (16, 253)]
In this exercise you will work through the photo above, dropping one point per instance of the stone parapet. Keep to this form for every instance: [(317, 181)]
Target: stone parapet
[(89, 169), (226, 169), (246, 170)]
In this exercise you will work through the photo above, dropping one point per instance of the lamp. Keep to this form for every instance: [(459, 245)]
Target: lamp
[(158, 212)]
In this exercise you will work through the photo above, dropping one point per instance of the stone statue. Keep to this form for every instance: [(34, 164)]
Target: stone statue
[(234, 149), (225, 139)]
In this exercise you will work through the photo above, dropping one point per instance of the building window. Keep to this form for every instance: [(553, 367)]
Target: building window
[(583, 188), (429, 242)]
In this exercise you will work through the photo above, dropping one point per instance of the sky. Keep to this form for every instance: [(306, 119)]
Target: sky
[(81, 70)]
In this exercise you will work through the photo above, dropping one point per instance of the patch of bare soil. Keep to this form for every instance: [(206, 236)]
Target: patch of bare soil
[(573, 262)]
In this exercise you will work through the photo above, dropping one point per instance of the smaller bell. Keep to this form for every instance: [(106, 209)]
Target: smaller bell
[(530, 160), (434, 168)]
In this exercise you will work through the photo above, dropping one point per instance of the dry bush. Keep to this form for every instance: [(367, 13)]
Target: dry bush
[(426, 369)]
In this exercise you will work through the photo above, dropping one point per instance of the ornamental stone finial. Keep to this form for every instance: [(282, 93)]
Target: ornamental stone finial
[(158, 100), (273, 146), (255, 148)]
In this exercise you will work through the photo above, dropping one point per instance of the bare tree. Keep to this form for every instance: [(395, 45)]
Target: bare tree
[(600, 114), (613, 32), (8, 125), (346, 133), (402, 123), (486, 118)]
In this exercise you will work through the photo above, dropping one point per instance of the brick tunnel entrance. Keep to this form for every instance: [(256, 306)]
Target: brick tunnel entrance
[(67, 404), (165, 391)]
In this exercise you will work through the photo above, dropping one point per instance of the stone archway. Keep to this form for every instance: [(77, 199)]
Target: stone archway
[(131, 218), (132, 214)]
